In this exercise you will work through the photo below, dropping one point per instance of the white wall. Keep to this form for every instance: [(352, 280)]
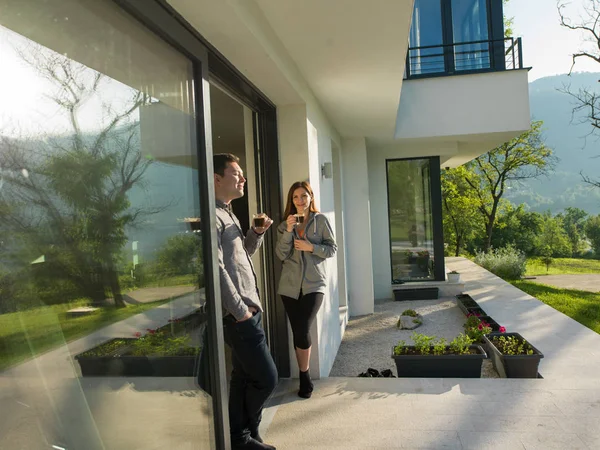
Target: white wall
[(464, 105), (305, 140), (380, 233), (358, 227)]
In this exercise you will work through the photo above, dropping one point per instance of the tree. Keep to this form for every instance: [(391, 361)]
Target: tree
[(460, 209), (553, 241), (489, 175), (587, 100), (573, 220), (508, 22), (592, 231), (66, 196), (519, 228)]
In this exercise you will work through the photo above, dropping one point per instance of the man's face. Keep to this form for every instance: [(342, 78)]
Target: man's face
[(231, 185)]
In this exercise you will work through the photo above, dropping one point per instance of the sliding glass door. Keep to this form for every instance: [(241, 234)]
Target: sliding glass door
[(106, 234)]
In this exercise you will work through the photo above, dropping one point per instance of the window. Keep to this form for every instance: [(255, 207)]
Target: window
[(411, 219), (427, 31), (470, 25), (449, 36)]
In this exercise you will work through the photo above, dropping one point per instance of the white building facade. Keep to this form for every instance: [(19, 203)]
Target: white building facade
[(368, 101)]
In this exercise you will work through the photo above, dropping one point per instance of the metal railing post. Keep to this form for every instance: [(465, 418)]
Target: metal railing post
[(520, 52)]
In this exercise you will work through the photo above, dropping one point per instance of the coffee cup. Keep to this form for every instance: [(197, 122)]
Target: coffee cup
[(299, 218), (259, 220)]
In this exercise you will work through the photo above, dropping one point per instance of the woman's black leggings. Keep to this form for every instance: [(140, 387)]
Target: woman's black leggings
[(302, 312)]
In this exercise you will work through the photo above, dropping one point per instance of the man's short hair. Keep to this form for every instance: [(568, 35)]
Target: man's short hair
[(220, 161)]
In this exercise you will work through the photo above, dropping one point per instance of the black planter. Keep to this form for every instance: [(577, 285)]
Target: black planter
[(477, 310), (430, 293), (440, 366), (137, 366), (464, 301), (513, 366), (119, 364), (495, 326)]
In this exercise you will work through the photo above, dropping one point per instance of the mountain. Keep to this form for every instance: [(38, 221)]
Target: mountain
[(569, 136)]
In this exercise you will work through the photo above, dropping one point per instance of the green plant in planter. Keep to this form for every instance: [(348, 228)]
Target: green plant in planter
[(475, 328), (460, 344), (160, 343), (409, 312), (400, 348), (105, 349), (511, 345), (439, 348), (423, 343)]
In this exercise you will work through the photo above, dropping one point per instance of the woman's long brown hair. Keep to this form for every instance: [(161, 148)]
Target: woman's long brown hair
[(290, 208)]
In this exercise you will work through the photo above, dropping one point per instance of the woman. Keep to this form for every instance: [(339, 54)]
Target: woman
[(305, 240)]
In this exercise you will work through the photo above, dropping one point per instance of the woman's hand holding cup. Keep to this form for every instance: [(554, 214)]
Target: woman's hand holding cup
[(291, 222)]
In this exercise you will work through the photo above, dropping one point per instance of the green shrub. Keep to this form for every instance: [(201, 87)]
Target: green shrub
[(507, 263)]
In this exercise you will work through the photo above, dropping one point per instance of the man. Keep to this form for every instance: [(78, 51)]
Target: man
[(254, 375)]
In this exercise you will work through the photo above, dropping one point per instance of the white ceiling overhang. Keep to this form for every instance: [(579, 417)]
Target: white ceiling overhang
[(347, 55)]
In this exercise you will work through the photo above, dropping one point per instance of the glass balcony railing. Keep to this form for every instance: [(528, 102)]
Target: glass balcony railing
[(464, 57)]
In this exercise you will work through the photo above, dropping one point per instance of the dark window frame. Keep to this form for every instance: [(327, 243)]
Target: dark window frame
[(435, 187), (495, 25)]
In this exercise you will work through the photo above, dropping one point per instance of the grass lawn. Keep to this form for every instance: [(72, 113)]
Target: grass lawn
[(31, 332), (562, 266), (582, 306)]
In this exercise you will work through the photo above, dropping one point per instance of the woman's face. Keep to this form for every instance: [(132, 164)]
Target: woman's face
[(301, 200)]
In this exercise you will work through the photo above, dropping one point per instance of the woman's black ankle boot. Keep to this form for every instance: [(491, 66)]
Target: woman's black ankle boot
[(306, 385)]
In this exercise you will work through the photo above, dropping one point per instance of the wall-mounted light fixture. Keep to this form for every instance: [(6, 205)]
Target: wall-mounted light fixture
[(326, 170)]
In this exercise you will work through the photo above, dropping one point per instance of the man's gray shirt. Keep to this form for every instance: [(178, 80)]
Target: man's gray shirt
[(238, 280)]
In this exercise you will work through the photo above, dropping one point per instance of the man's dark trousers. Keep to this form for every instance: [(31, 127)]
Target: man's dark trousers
[(253, 378)]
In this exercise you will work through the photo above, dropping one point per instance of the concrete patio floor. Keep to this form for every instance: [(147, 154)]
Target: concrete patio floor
[(43, 402), (561, 411)]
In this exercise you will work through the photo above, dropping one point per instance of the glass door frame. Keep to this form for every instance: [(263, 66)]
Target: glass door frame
[(435, 189), (209, 64)]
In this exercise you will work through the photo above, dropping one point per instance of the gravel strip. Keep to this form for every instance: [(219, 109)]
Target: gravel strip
[(368, 340)]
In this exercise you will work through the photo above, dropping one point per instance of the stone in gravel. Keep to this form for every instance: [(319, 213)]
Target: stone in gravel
[(410, 322)]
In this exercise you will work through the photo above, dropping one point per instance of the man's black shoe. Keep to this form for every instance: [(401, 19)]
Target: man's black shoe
[(252, 444)]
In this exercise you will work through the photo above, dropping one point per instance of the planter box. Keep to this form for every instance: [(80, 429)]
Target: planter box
[(440, 366), (119, 364), (465, 304), (467, 301), (428, 293), (513, 366), (495, 326), (477, 310)]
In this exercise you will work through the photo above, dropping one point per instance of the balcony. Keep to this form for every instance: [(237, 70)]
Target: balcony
[(464, 58)]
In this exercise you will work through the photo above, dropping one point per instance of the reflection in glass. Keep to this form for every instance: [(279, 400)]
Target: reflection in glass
[(410, 216), (99, 215), (426, 30), (469, 25)]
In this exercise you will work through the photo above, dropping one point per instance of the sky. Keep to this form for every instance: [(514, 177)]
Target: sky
[(547, 46)]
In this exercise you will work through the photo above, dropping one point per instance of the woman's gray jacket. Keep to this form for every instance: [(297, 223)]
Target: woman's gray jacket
[(305, 271)]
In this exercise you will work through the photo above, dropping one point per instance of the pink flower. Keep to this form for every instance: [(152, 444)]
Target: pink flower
[(138, 334), (151, 331), (502, 330), (480, 326)]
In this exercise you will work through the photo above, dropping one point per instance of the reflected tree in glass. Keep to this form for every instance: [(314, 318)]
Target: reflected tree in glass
[(64, 197)]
